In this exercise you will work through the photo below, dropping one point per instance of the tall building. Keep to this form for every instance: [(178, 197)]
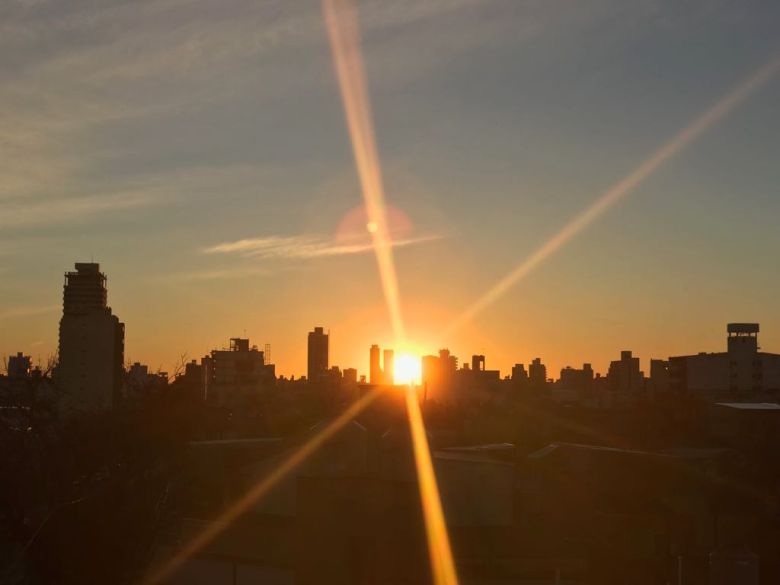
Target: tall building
[(438, 375), (388, 365), (624, 374), (318, 354), (519, 375), (92, 343), (374, 368), (537, 373)]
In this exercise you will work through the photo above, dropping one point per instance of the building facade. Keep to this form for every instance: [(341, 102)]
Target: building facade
[(742, 371), (91, 343), (317, 354)]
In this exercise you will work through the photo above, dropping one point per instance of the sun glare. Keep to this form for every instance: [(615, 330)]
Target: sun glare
[(407, 369)]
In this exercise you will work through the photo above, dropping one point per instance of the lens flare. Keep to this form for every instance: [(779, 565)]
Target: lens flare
[(439, 550), (342, 25), (258, 491), (623, 188), (343, 32)]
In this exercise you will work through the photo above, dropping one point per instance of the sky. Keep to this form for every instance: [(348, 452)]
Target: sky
[(198, 151)]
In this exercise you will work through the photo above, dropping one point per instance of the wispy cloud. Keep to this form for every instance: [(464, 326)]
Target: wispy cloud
[(22, 311), (304, 246), (24, 213), (226, 274)]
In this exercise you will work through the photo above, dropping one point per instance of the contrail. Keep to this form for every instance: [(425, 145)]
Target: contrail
[(342, 24), (623, 188), (258, 491)]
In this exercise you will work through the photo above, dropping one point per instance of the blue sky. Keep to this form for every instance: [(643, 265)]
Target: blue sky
[(143, 134)]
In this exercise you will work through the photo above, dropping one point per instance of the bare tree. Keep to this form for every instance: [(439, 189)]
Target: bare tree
[(179, 366), (48, 366)]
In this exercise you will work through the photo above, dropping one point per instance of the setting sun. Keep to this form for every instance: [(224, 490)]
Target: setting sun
[(407, 369)]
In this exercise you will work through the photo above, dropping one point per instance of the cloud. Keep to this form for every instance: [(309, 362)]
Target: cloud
[(304, 246), (24, 213), (23, 311), (226, 274)]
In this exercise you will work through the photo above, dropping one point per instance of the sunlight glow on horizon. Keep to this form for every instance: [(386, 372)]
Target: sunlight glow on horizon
[(622, 188), (407, 368)]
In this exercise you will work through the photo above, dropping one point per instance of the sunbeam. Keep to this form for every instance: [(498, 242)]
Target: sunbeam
[(439, 549), (343, 31), (258, 491), (342, 24), (622, 188)]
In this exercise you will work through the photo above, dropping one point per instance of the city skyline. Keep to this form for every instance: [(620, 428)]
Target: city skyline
[(566, 120), (406, 350)]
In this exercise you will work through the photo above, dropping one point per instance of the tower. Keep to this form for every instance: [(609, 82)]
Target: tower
[(374, 371), (388, 359), (91, 344), (318, 354)]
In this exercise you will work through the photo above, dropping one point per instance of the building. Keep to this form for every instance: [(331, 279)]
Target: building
[(519, 375), (374, 368), (741, 372), (388, 366), (658, 383), (91, 343), (624, 375), (350, 376), (19, 366), (318, 354), (537, 373), (437, 375), (235, 374)]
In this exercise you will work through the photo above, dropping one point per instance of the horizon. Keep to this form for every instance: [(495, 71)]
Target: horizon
[(410, 347)]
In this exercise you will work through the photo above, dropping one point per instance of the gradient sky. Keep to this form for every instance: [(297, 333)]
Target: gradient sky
[(152, 136)]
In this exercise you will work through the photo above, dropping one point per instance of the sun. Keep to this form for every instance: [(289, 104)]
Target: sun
[(407, 369)]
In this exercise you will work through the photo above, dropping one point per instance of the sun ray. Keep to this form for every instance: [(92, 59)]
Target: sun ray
[(342, 24), (622, 188), (257, 491), (439, 549), (343, 30)]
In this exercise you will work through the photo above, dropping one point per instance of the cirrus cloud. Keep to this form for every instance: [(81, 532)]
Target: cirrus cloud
[(305, 246)]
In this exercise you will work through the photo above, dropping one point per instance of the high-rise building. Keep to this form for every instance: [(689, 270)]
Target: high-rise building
[(388, 365), (318, 354), (624, 374), (92, 343), (537, 373), (519, 375), (438, 375), (374, 369)]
